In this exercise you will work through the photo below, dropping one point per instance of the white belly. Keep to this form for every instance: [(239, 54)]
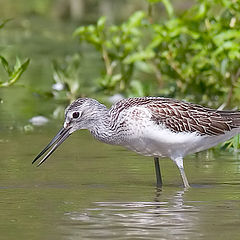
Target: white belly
[(164, 143), (150, 139)]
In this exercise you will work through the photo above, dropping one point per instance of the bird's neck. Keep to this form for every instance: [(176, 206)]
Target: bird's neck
[(101, 127)]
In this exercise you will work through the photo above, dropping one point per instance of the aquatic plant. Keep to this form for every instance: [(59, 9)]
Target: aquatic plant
[(15, 71)]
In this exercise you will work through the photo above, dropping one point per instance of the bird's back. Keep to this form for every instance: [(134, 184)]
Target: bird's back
[(168, 123), (179, 116)]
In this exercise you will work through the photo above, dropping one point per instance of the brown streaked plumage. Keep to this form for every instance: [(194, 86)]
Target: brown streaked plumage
[(151, 126), (181, 116)]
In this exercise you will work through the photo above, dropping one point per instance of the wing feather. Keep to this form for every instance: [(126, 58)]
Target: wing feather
[(179, 116)]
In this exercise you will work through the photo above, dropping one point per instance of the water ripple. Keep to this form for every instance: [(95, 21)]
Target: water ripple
[(134, 220)]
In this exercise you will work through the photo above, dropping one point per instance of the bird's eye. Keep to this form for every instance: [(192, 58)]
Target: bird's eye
[(75, 114)]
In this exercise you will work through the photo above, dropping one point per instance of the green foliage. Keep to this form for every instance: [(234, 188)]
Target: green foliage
[(195, 55), (66, 76), (200, 50), (2, 24), (13, 72), (232, 144), (119, 46)]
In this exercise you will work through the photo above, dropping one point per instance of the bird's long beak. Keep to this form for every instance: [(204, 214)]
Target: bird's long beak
[(61, 136)]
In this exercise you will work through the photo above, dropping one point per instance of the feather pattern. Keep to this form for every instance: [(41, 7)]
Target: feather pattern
[(179, 116)]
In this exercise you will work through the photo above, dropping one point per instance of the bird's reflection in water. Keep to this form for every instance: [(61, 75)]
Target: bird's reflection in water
[(162, 218)]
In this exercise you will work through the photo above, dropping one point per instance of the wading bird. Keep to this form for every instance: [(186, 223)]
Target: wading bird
[(151, 126)]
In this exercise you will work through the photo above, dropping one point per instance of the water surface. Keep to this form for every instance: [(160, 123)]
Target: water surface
[(89, 190)]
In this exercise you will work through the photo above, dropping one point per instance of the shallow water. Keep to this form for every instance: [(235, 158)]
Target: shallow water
[(89, 190)]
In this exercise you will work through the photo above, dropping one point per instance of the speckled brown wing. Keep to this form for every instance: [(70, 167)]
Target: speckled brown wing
[(179, 116), (187, 117)]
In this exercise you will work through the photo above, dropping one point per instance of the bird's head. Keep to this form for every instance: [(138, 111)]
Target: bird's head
[(81, 114)]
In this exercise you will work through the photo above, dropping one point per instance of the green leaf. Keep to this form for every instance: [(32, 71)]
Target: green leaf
[(2, 24), (5, 65), (101, 23), (201, 11), (236, 142), (79, 31), (226, 35), (115, 79), (16, 73), (91, 29), (144, 67), (17, 64), (169, 8), (135, 20), (139, 56)]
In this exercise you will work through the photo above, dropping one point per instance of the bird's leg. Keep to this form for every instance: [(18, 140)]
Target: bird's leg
[(158, 172), (179, 163)]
